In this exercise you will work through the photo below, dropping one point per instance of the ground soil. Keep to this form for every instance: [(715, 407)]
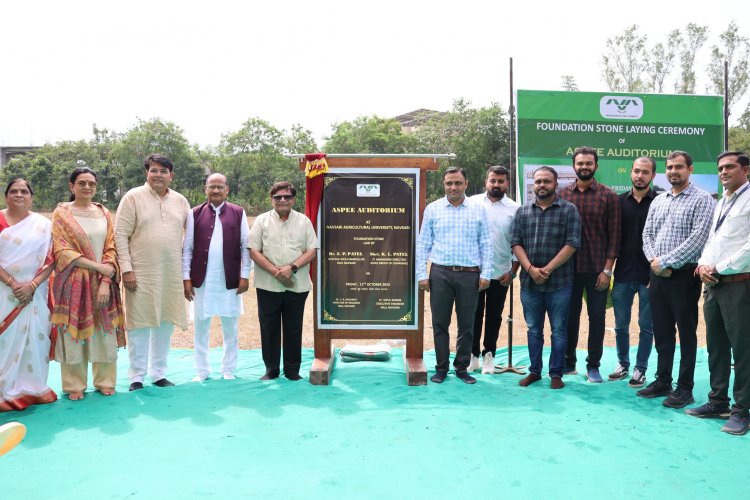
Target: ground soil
[(249, 336)]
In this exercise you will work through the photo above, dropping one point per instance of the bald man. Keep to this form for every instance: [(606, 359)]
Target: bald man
[(216, 266)]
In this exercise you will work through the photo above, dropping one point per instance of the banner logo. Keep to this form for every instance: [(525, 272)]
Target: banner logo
[(621, 107), (368, 190)]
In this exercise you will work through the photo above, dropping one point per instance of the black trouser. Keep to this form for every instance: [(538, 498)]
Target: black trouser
[(490, 305), (727, 312), (596, 306), (446, 288), (674, 300), (275, 308)]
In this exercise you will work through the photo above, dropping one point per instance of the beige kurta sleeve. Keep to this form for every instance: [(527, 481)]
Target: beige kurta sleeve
[(125, 222)]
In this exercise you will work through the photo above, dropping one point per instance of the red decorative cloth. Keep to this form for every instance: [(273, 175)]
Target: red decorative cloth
[(315, 168)]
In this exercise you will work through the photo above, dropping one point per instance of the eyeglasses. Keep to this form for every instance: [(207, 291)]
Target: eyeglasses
[(279, 197), (83, 184)]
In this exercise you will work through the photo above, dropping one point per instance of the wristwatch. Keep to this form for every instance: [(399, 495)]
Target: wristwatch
[(294, 268), (608, 272)]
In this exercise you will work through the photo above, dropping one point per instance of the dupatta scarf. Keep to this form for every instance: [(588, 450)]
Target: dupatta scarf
[(74, 288)]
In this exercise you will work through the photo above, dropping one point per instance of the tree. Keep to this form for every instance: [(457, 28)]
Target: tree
[(253, 159), (695, 37), (478, 137), (369, 134), (660, 61), (623, 64), (735, 53), (157, 136), (569, 83)]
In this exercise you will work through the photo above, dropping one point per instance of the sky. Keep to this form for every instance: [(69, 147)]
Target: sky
[(210, 65)]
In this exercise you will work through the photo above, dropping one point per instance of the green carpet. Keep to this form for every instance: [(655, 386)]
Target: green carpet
[(368, 435)]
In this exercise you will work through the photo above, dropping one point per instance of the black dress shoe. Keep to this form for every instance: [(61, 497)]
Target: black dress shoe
[(466, 378), (162, 382), (268, 376), (439, 377), (136, 386), (294, 376)]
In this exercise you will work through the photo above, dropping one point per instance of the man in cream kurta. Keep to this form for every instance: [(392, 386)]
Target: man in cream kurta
[(282, 244), (148, 235)]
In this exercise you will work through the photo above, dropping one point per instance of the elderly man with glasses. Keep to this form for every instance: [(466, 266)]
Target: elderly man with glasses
[(282, 245), (216, 266)]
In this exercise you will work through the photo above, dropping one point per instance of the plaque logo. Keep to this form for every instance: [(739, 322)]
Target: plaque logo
[(368, 190), (621, 107)]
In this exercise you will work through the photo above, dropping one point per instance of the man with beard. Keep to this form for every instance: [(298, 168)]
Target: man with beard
[(676, 229), (500, 212), (631, 274), (546, 234), (599, 209), (724, 267)]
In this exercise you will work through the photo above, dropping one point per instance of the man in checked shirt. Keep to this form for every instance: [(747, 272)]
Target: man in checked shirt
[(677, 227), (599, 209)]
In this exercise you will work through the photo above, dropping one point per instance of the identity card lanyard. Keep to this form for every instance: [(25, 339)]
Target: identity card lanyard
[(723, 216)]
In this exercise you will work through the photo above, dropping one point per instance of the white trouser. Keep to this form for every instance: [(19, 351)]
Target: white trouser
[(148, 348), (229, 327)]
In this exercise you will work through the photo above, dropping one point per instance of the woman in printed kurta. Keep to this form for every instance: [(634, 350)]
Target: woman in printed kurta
[(88, 310), (25, 265)]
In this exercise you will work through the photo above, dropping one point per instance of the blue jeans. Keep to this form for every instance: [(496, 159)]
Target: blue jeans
[(622, 301), (556, 304)]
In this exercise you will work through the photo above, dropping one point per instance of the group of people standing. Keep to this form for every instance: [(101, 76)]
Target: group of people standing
[(573, 240), (162, 252)]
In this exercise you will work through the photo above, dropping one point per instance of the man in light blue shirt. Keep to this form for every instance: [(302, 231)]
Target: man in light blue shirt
[(456, 240)]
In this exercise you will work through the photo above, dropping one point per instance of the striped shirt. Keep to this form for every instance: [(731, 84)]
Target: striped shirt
[(454, 236), (542, 234), (677, 227)]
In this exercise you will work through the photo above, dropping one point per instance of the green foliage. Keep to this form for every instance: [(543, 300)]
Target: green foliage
[(369, 134), (695, 37), (624, 62), (739, 139), (479, 137), (253, 159)]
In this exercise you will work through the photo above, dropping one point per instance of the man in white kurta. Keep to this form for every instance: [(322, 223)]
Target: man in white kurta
[(148, 235), (213, 294)]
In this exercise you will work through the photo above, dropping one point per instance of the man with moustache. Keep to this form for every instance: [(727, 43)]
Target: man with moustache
[(724, 267), (148, 235), (631, 274), (599, 209), (676, 229), (546, 234), (216, 266), (455, 238), (500, 212)]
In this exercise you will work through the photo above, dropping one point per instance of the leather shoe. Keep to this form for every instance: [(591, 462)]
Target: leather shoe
[(162, 382), (529, 379), (557, 383), (268, 377), (439, 377), (293, 376), (466, 378), (136, 386)]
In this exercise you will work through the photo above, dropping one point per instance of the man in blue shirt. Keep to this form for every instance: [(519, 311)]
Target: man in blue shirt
[(456, 240)]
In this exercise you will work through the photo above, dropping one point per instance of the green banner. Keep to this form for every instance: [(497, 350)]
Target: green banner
[(621, 127)]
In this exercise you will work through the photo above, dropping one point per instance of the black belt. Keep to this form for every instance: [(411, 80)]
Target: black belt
[(474, 269)]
